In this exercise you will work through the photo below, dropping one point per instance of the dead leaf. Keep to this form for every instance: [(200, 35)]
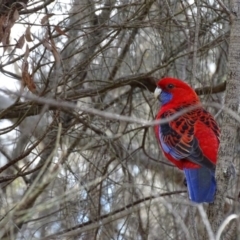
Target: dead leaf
[(56, 54), (15, 15), (46, 17), (60, 31), (28, 34), (25, 66), (20, 42), (6, 37), (26, 54), (27, 79), (47, 45), (2, 20)]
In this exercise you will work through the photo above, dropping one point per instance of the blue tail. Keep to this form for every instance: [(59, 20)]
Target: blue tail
[(201, 184)]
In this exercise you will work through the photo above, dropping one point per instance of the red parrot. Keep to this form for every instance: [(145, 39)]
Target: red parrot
[(190, 140)]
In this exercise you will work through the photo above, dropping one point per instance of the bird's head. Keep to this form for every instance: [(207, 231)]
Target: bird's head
[(172, 90)]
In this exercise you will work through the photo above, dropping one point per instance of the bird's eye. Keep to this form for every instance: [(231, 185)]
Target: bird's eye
[(170, 86)]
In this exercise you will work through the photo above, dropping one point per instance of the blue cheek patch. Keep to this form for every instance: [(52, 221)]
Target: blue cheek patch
[(165, 97)]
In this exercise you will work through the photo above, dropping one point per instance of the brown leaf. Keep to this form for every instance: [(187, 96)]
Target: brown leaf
[(46, 17), (15, 15), (26, 53), (6, 37), (60, 31), (28, 34), (2, 20), (20, 42), (24, 67), (56, 54), (27, 79), (47, 45), (51, 46)]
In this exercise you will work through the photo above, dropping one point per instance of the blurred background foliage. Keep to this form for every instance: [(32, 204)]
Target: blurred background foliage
[(71, 167)]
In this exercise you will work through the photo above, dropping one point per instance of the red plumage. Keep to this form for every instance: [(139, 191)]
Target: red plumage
[(190, 138)]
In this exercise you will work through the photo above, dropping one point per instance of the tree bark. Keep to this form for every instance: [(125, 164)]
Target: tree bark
[(230, 125)]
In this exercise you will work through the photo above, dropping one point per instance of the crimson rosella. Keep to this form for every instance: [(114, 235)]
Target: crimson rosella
[(190, 138)]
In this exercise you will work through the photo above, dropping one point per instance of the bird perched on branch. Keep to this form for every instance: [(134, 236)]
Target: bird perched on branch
[(188, 136)]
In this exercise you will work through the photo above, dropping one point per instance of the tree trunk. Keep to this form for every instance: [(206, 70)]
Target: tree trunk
[(230, 124)]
